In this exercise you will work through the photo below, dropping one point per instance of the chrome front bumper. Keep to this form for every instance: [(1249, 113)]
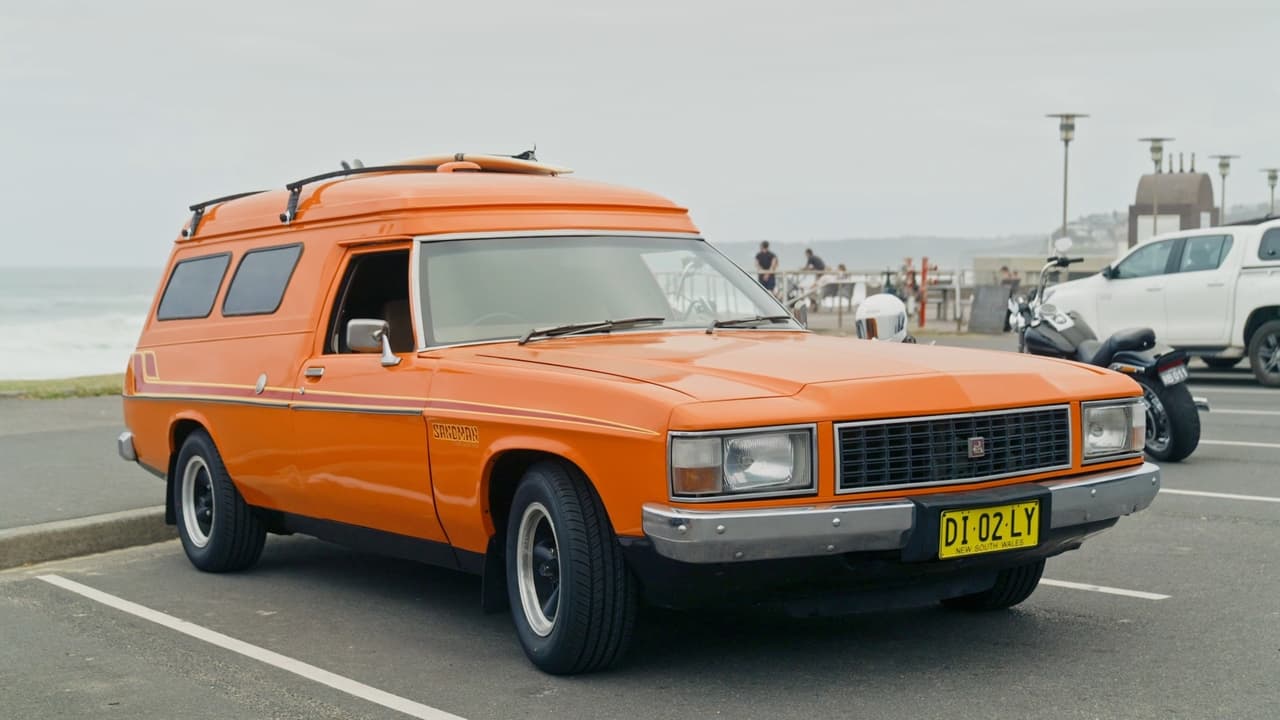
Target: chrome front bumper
[(710, 536)]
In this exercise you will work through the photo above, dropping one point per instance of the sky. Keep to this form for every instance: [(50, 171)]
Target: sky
[(790, 121)]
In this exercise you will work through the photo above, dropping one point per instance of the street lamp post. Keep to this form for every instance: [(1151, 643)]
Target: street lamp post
[(1067, 129), (1271, 180), (1224, 167), (1157, 157)]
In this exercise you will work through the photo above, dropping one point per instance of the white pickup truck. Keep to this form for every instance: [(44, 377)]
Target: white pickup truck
[(1214, 292)]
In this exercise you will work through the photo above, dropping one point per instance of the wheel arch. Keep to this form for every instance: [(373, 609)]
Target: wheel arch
[(1258, 318), (502, 473), (180, 428)]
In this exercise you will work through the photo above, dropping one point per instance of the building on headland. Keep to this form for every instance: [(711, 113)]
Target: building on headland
[(1182, 201)]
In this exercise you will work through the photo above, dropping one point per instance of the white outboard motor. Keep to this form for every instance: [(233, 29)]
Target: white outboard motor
[(882, 317)]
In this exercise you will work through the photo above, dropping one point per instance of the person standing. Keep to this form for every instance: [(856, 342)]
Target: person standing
[(766, 265)]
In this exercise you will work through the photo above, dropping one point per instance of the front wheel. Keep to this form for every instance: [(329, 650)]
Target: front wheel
[(573, 599), (1173, 423), (1264, 353)]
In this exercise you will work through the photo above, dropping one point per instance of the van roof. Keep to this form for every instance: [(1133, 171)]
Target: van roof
[(397, 192)]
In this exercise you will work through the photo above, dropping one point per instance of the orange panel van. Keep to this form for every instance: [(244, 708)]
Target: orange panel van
[(477, 362)]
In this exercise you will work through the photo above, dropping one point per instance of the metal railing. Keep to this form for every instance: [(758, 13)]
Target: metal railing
[(832, 294), (836, 293)]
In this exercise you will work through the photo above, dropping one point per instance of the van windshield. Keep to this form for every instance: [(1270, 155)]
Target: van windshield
[(494, 289)]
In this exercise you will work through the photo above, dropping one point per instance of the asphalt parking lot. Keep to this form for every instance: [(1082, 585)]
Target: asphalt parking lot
[(1175, 612)]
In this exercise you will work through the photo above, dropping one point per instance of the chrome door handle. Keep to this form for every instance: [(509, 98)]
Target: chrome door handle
[(315, 371), (1154, 289), (1217, 284)]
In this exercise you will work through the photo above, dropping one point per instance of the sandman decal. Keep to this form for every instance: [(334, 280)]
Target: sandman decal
[(465, 434)]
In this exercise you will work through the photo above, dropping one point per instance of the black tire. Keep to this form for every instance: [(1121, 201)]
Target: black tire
[(1264, 353), (1173, 422), (1221, 363), (593, 611), (1013, 585), (219, 532)]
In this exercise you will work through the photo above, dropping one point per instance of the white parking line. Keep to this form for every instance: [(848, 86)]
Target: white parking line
[(1241, 443), (288, 664), (1222, 496), (1259, 390), (1104, 589), (1233, 411)]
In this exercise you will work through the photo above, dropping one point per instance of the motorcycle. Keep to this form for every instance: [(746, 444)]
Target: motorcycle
[(1173, 419)]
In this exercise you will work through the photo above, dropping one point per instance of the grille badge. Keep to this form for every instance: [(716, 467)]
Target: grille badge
[(977, 447)]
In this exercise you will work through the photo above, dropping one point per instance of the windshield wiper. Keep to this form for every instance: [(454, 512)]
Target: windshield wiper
[(738, 322), (588, 327)]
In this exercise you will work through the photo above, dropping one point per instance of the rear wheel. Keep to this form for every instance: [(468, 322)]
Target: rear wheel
[(1013, 585), (1173, 423), (1264, 353), (219, 532), (573, 599), (1221, 363)]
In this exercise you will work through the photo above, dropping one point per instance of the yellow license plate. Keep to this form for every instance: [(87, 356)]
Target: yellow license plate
[(989, 529)]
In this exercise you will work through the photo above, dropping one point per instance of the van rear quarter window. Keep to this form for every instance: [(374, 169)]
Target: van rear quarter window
[(192, 287), (258, 285)]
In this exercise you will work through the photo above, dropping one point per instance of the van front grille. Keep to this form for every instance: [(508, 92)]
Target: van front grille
[(943, 449)]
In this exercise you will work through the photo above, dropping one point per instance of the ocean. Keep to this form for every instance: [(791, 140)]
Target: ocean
[(65, 322)]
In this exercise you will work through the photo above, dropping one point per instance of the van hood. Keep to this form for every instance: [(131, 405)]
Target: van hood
[(730, 365)]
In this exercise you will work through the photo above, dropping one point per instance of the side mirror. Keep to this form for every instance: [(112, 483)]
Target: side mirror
[(1108, 272), (801, 314), (371, 336)]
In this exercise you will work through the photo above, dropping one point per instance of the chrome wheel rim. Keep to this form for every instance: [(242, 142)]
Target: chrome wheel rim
[(197, 501), (1269, 354), (538, 569), (1158, 434)]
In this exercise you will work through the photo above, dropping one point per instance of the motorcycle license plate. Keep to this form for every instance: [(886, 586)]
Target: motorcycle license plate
[(1174, 375), (990, 529)]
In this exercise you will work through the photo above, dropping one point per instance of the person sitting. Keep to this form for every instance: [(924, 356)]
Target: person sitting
[(812, 261)]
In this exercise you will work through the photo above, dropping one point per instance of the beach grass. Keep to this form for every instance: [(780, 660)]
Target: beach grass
[(87, 386)]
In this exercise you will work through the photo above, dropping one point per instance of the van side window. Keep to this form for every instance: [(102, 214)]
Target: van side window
[(1204, 253), (260, 280), (192, 287), (375, 286), (1269, 248)]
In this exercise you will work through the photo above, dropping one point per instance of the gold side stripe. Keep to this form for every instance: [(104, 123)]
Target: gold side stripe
[(387, 409), (595, 424), (211, 398), (559, 416)]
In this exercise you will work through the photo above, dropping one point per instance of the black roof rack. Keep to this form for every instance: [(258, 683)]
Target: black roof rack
[(198, 209), (295, 187)]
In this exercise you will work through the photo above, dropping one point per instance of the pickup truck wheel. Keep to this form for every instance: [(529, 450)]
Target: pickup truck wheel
[(573, 599), (1013, 585), (1173, 422), (1264, 353), (1221, 363), (219, 532)]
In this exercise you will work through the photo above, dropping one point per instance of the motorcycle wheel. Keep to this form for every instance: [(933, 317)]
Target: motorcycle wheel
[(1173, 423)]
